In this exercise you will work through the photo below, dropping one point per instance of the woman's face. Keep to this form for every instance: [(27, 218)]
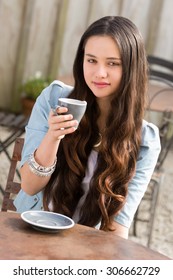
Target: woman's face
[(102, 66)]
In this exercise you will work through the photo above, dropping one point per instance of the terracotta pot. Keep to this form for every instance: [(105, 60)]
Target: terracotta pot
[(27, 105)]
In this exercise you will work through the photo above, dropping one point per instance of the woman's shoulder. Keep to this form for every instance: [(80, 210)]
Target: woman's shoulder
[(65, 87), (150, 134), (60, 89), (57, 89)]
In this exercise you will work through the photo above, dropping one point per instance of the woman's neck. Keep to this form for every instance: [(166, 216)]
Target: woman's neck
[(104, 112)]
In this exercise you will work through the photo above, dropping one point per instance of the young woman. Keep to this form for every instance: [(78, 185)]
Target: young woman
[(98, 173)]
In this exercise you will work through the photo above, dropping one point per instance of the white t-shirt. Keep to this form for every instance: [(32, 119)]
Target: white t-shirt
[(92, 161)]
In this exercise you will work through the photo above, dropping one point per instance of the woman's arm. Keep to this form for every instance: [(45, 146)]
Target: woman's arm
[(45, 154), (43, 135), (121, 230)]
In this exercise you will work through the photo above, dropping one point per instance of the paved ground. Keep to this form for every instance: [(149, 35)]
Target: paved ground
[(162, 238)]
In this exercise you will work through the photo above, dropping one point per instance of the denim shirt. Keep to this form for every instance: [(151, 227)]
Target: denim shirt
[(37, 128)]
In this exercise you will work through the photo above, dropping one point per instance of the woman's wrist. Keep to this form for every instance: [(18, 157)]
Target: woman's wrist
[(39, 170), (45, 154)]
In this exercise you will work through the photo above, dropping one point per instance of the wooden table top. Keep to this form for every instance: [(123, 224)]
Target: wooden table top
[(18, 240)]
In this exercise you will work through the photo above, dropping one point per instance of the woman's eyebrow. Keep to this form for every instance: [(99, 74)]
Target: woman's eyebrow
[(113, 58), (91, 55), (110, 58)]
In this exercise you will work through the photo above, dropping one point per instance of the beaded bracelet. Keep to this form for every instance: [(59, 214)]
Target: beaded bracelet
[(39, 170)]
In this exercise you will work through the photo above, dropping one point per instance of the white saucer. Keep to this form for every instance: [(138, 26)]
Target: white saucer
[(47, 221)]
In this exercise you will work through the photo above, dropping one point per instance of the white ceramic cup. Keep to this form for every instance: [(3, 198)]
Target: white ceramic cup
[(75, 107)]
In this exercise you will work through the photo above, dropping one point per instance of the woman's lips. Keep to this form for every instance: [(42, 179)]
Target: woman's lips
[(101, 84)]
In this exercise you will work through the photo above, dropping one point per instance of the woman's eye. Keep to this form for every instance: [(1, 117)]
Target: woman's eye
[(114, 63), (91, 61)]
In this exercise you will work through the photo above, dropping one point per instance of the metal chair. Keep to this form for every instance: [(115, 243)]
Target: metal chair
[(12, 187), (164, 80), (160, 69), (15, 126)]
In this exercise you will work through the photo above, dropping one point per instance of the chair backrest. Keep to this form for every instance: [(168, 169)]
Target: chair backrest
[(160, 69), (12, 187), (161, 100)]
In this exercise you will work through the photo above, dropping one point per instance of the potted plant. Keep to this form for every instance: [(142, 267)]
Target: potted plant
[(30, 91)]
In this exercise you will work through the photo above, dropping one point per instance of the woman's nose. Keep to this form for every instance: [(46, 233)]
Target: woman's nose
[(101, 72)]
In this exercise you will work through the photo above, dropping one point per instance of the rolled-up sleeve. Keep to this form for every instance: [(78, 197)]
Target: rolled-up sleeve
[(37, 126), (147, 159)]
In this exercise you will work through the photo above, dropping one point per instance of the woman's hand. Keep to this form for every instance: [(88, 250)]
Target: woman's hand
[(60, 125)]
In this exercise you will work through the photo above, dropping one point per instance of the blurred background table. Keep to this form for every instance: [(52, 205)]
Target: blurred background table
[(160, 97)]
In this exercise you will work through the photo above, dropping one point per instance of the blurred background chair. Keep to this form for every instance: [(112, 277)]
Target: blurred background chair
[(15, 127), (160, 70), (160, 108), (161, 102), (13, 185)]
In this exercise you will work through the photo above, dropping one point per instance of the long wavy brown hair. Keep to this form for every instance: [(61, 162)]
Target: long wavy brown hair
[(121, 140)]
